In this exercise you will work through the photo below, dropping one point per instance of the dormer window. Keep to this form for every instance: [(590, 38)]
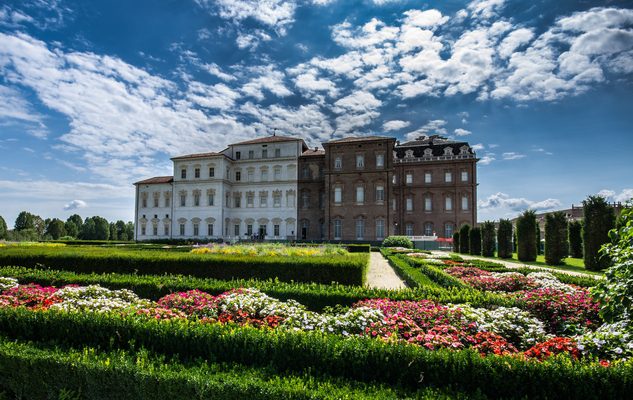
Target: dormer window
[(463, 150), (428, 152), (448, 151), (408, 154)]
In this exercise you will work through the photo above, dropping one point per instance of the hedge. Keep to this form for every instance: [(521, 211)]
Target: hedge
[(575, 239), (348, 269), (526, 236), (53, 372), (504, 239), (599, 219), (455, 242), (464, 239), (398, 241), (358, 358), (474, 238), (556, 244), (437, 275)]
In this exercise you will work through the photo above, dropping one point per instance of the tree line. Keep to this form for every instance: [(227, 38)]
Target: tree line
[(578, 239), (31, 227)]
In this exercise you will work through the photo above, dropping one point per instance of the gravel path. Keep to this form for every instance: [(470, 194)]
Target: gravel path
[(380, 274), (515, 264)]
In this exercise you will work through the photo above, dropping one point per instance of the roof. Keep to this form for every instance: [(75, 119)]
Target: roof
[(198, 155), (313, 152), (156, 180), (429, 140), (359, 139), (436, 143), (268, 139)]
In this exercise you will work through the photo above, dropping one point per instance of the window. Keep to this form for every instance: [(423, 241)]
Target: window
[(321, 200), (448, 230), (305, 172), (338, 162), (144, 202), (227, 199), (196, 229), (464, 176), (380, 193), (237, 200), (409, 229), (156, 198), (360, 161), (236, 230), (155, 230), (276, 230), (182, 229), (428, 229), (249, 230), (409, 178), (238, 176), (277, 174), (464, 203), (428, 203), (380, 229), (209, 229), (250, 199), (250, 174), (380, 160), (277, 199), (360, 229), (428, 177), (290, 199), (196, 199), (251, 154), (360, 194), (264, 175), (166, 230), (448, 176), (183, 199), (196, 173), (238, 155), (305, 199), (167, 201), (338, 195), (143, 230), (277, 154), (211, 172), (263, 199), (338, 229), (409, 206), (211, 199), (264, 153), (448, 204), (183, 173)]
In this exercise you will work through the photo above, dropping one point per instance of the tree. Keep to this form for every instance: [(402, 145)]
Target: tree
[(474, 238), (39, 225), (24, 221), (488, 239), (71, 229), (526, 236), (88, 230), (3, 228), (129, 230), (556, 244), (114, 235), (77, 220), (599, 220), (505, 238), (464, 240), (56, 228), (575, 239), (456, 242), (102, 228), (121, 233), (538, 239)]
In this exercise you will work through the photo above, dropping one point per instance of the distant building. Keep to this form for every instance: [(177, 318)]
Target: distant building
[(276, 188)]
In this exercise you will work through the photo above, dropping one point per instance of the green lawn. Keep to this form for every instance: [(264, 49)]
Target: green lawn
[(571, 264)]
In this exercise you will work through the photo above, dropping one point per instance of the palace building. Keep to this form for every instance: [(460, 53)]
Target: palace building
[(276, 188)]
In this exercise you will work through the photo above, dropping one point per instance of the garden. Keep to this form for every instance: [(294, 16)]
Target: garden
[(136, 322)]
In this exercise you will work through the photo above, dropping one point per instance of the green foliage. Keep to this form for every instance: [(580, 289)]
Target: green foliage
[(349, 269), (3, 228), (488, 234), (358, 248), (398, 241), (526, 236), (25, 235), (615, 292), (24, 221), (474, 238), (556, 244), (599, 219), (456, 242), (504, 239), (538, 240), (56, 228), (464, 239), (436, 274), (575, 239)]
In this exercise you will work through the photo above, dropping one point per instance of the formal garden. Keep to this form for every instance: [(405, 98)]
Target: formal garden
[(79, 320)]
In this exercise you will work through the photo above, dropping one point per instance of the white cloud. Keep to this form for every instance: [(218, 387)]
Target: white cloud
[(424, 19), (268, 79), (511, 155), (355, 111), (514, 40), (622, 197), (75, 204), (504, 201), (487, 159), (15, 108), (217, 96), (215, 70), (485, 9), (373, 33), (478, 146), (462, 132), (274, 13), (433, 127), (395, 125), (308, 80)]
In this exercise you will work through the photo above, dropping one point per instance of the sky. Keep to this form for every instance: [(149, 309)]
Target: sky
[(97, 95)]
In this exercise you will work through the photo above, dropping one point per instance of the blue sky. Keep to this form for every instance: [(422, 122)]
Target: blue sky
[(96, 95)]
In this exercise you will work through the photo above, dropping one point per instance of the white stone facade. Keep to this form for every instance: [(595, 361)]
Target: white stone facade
[(247, 190)]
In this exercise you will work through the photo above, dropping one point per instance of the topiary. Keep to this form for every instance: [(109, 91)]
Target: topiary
[(504, 238), (575, 239), (456, 242), (464, 240), (475, 241), (526, 236), (599, 220), (556, 238), (488, 239)]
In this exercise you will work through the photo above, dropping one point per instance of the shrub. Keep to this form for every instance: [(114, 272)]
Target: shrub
[(456, 242), (474, 238), (599, 219), (504, 238), (398, 241), (526, 236), (575, 239), (488, 239), (556, 244), (464, 239)]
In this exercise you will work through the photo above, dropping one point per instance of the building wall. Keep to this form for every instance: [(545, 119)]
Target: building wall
[(312, 198)]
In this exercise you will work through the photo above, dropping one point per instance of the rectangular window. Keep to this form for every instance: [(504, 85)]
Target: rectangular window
[(277, 174), (264, 175), (143, 230), (276, 230), (264, 153), (196, 199), (409, 230), (238, 176), (144, 202), (238, 155), (380, 193), (409, 204), (211, 172), (250, 174), (263, 200), (380, 229), (428, 178), (338, 229), (464, 203), (183, 200), (290, 199), (156, 201), (448, 206), (428, 203), (236, 230), (338, 162), (183, 173), (182, 229), (166, 230), (196, 173), (360, 194), (277, 154), (305, 200), (209, 229), (380, 160), (251, 154), (338, 195), (155, 230), (393, 204), (237, 201), (249, 230), (448, 230), (464, 176), (360, 229), (167, 201), (360, 161), (250, 200), (196, 229), (428, 229), (277, 200), (211, 199), (448, 176), (409, 178)]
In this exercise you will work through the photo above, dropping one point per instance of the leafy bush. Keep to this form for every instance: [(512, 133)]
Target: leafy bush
[(474, 238), (556, 244), (575, 239), (397, 241), (599, 219), (456, 242), (464, 239), (526, 236), (488, 245)]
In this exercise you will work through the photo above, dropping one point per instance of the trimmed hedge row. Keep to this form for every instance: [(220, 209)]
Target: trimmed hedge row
[(357, 358), (436, 274), (93, 374), (349, 269)]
